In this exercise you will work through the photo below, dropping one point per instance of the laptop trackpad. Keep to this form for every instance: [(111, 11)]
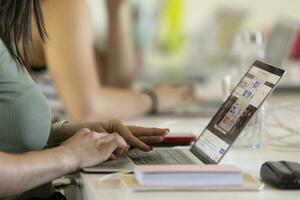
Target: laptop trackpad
[(120, 164)]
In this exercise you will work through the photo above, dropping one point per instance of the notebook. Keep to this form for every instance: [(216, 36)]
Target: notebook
[(188, 175), (248, 184)]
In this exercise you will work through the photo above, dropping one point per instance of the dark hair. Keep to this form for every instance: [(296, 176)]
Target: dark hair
[(16, 17)]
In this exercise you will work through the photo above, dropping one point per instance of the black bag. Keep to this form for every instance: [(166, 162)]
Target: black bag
[(281, 174)]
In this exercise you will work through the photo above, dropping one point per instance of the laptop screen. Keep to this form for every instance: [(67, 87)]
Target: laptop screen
[(236, 111)]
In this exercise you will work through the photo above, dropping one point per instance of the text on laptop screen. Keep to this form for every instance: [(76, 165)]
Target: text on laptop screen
[(235, 112)]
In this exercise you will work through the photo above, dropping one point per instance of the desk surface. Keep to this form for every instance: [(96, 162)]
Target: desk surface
[(246, 159)]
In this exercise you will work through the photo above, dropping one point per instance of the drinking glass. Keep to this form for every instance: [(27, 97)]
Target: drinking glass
[(252, 134)]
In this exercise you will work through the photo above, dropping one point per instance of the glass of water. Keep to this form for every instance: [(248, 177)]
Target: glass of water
[(251, 135)]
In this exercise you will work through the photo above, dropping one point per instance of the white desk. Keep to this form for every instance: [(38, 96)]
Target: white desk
[(248, 160)]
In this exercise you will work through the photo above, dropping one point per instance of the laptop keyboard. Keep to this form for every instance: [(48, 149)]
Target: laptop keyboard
[(160, 157)]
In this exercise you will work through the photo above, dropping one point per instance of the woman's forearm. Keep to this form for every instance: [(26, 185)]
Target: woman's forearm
[(108, 103), (121, 61), (70, 57), (20, 173)]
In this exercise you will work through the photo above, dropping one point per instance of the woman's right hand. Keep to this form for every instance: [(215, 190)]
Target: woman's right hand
[(88, 148), (172, 96)]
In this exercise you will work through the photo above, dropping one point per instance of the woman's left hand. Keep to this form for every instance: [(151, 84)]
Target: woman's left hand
[(138, 137)]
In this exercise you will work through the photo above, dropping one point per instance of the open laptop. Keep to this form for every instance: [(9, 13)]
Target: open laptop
[(218, 136), (280, 42), (278, 49)]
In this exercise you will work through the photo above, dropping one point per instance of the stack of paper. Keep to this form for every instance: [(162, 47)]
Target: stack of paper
[(188, 175)]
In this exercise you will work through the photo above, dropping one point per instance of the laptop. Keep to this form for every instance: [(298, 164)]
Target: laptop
[(281, 41), (278, 49), (218, 136)]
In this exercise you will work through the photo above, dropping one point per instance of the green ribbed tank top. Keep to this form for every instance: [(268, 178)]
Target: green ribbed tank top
[(25, 118)]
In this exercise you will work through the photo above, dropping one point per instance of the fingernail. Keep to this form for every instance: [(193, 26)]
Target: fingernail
[(151, 148), (167, 130)]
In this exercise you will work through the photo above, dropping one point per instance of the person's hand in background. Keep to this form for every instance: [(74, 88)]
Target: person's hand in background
[(138, 137), (171, 96), (114, 4)]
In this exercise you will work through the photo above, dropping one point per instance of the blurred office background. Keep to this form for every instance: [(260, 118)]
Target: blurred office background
[(204, 41)]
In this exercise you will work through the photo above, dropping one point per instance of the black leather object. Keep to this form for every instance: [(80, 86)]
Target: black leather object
[(281, 174)]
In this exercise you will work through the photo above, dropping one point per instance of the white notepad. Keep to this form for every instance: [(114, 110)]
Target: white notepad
[(188, 175), (248, 184)]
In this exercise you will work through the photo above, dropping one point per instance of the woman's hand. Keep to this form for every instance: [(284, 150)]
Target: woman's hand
[(22, 172), (138, 137), (88, 148), (170, 97)]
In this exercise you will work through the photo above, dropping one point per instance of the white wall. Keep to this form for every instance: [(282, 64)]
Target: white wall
[(261, 13)]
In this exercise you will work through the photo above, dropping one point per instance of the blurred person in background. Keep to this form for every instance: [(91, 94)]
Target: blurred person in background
[(95, 84), (33, 152)]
